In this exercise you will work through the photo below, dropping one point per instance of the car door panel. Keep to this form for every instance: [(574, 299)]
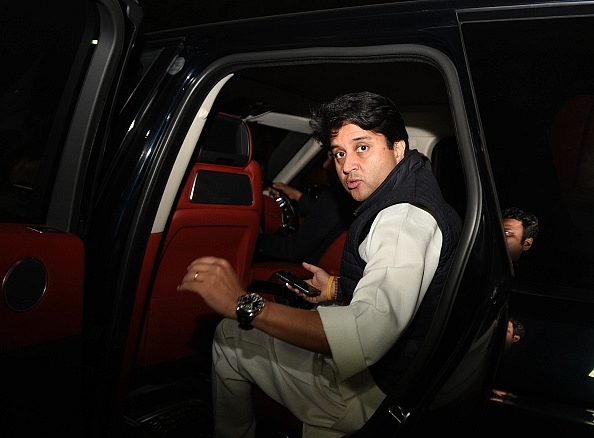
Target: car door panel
[(42, 273), (55, 106)]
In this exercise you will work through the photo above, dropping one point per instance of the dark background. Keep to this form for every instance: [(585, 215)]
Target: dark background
[(160, 14)]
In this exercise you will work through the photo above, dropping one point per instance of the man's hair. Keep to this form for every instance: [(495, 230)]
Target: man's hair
[(529, 221), (369, 111), (518, 327)]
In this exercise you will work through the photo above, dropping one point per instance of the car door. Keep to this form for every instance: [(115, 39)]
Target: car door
[(532, 73), (65, 60)]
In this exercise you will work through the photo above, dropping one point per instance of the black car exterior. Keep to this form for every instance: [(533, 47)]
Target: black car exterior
[(99, 160)]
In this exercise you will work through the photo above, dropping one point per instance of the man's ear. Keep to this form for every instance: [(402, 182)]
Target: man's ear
[(399, 148), (527, 243)]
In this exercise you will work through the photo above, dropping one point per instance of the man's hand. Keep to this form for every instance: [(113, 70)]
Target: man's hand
[(216, 281), (319, 281), (289, 191)]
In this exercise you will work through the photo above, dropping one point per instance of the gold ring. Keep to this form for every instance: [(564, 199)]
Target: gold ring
[(196, 276)]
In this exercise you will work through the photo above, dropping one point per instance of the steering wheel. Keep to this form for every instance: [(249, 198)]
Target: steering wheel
[(290, 220)]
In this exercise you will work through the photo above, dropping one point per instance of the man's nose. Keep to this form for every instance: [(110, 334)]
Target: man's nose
[(349, 164)]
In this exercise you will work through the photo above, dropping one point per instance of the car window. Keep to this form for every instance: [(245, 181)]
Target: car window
[(274, 148), (523, 79), (534, 86), (41, 58)]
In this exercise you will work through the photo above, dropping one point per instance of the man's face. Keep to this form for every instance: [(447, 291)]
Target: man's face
[(513, 235), (363, 160)]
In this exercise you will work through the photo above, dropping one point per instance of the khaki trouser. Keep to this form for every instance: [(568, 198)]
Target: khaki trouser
[(305, 382)]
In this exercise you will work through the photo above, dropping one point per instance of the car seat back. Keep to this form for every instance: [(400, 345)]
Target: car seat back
[(217, 214)]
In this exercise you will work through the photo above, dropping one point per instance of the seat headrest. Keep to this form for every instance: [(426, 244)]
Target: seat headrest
[(448, 171), (226, 140)]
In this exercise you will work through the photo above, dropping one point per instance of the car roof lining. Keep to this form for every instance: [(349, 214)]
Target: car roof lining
[(305, 85)]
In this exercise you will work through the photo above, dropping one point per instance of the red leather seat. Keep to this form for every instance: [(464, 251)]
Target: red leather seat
[(218, 214), (330, 262)]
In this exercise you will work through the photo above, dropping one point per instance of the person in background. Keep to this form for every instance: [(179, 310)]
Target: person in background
[(325, 214), (333, 366), (515, 332), (521, 229)]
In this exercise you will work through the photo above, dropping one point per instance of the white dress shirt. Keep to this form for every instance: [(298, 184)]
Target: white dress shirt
[(401, 253)]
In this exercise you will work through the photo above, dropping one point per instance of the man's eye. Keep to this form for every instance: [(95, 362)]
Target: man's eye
[(508, 233), (339, 155), (363, 148)]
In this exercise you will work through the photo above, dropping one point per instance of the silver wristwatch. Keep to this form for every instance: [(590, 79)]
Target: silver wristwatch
[(248, 306)]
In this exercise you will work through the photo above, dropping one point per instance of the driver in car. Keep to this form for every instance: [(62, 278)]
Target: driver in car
[(325, 215)]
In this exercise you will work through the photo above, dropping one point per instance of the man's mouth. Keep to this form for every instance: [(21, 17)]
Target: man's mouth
[(353, 183)]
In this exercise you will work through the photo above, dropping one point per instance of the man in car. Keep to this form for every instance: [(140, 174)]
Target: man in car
[(332, 366)]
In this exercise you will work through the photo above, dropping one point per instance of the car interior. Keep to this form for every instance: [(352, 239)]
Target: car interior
[(258, 132)]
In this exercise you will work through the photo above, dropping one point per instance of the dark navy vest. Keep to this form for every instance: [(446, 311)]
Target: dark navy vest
[(411, 181)]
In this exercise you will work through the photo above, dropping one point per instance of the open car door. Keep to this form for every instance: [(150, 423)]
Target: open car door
[(62, 64)]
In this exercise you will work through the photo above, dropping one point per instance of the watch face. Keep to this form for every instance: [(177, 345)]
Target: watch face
[(251, 302)]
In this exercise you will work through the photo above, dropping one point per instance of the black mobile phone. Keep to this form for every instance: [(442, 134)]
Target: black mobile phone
[(288, 278)]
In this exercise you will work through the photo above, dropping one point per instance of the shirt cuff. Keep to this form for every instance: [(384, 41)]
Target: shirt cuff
[(340, 327)]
